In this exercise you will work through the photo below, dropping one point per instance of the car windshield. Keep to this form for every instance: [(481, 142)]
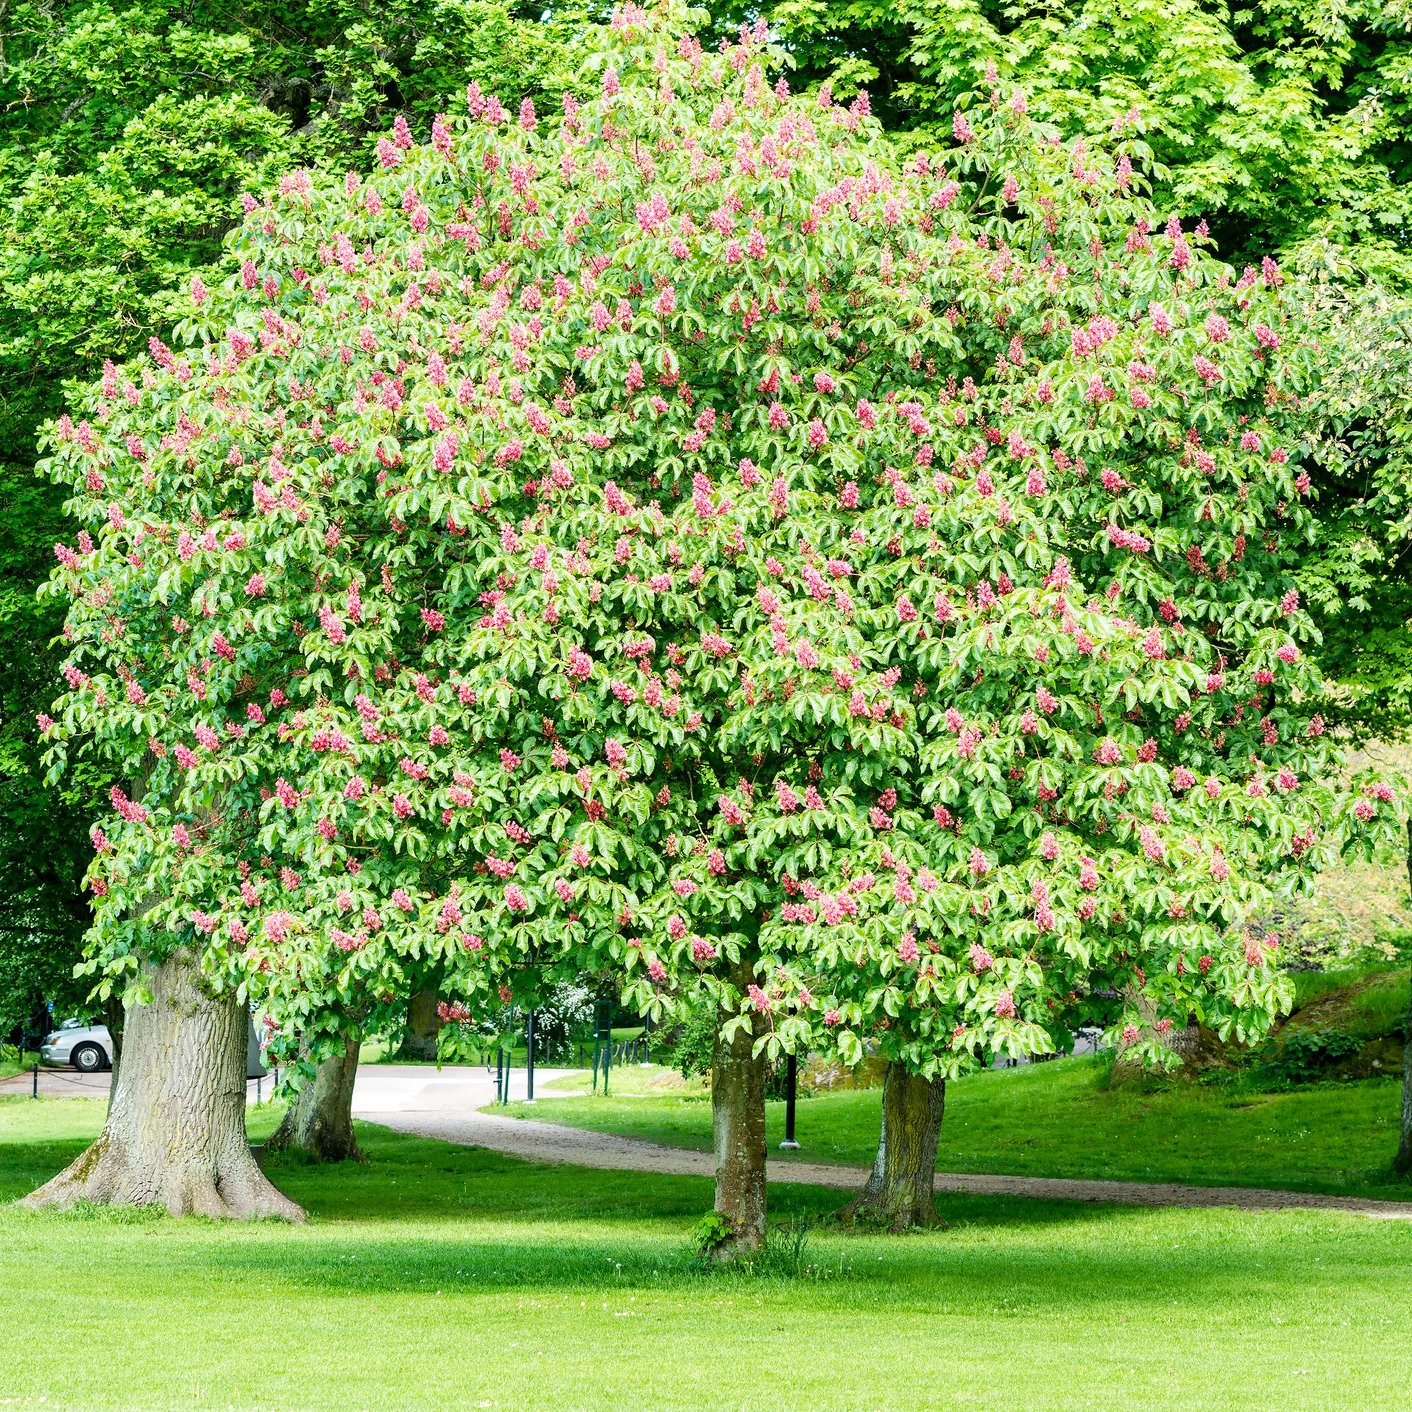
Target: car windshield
[(72, 1025)]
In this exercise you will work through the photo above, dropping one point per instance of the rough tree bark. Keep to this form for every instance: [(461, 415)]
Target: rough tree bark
[(114, 1018), (1402, 1163), (319, 1124), (423, 1026), (738, 1127), (175, 1133), (898, 1193)]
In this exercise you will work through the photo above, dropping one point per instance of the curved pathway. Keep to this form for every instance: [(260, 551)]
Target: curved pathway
[(431, 1103)]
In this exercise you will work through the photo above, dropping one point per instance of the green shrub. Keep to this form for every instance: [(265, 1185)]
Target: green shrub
[(691, 1055), (1308, 1055), (711, 1232)]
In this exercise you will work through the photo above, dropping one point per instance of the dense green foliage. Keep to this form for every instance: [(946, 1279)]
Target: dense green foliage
[(560, 547), (1358, 582), (462, 1277), (1283, 125), (130, 130)]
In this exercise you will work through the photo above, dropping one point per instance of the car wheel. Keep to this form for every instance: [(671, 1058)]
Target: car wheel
[(88, 1058)]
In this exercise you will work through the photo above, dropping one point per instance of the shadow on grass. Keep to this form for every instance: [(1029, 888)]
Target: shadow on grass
[(506, 1224), (416, 1179), (423, 1216), (25, 1167)]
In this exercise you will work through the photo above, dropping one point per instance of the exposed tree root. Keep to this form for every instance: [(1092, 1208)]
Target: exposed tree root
[(175, 1133)]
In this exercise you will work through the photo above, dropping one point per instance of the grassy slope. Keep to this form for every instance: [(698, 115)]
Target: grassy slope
[(1365, 1003), (439, 1274), (380, 1051), (1059, 1120)]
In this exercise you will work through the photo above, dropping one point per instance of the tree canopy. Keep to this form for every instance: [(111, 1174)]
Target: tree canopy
[(1284, 126), (134, 127), (675, 537)]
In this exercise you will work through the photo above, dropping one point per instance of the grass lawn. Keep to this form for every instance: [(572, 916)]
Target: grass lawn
[(437, 1275), (1060, 1120), (12, 1062), (1360, 1001), (625, 1081)]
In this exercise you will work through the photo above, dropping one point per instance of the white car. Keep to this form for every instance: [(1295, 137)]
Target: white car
[(88, 1048)]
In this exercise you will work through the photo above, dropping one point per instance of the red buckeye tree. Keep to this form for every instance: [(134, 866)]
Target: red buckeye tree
[(675, 539)]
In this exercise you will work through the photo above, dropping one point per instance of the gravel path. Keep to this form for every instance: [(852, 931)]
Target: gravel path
[(69, 1083), (426, 1113), (444, 1103)]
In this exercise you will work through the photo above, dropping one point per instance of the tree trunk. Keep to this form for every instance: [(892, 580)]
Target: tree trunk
[(738, 1126), (319, 1124), (175, 1133), (114, 1018), (1402, 1163), (423, 1026), (898, 1193)]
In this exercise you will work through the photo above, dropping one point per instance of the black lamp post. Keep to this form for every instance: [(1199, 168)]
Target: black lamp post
[(529, 1057), (791, 1080)]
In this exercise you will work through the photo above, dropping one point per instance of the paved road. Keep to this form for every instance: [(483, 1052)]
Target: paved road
[(380, 1087), (392, 1087), (449, 1091)]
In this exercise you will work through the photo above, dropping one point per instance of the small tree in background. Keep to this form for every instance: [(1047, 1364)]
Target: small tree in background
[(671, 540)]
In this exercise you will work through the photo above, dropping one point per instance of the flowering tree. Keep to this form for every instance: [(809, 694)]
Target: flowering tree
[(670, 539)]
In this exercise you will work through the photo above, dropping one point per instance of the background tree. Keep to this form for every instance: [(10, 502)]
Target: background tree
[(422, 1024), (1358, 579), (319, 1121), (898, 1191), (1283, 126)]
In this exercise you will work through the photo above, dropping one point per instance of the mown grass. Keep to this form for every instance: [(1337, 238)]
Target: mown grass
[(437, 1275), (631, 1081), (1063, 1120)]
